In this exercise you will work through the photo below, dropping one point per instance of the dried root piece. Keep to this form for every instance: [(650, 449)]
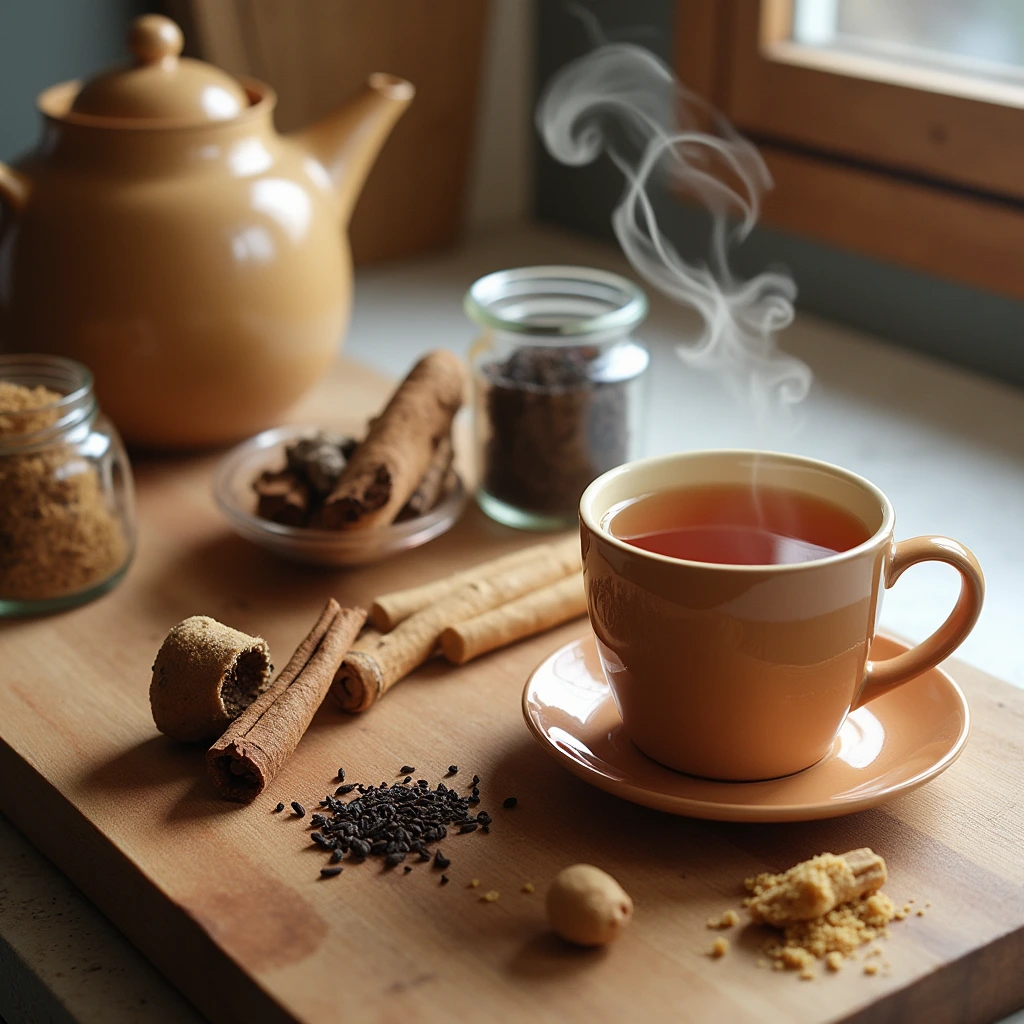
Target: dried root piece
[(205, 675), (391, 609), (814, 887), (378, 661), (386, 468), (530, 614), (282, 497)]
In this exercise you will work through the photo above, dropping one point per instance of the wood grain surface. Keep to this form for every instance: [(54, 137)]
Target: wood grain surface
[(227, 902)]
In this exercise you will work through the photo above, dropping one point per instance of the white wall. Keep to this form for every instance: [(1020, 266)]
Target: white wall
[(501, 177)]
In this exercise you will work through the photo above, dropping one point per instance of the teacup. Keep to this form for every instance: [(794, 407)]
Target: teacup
[(747, 672)]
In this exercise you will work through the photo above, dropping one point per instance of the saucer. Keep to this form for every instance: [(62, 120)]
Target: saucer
[(893, 744)]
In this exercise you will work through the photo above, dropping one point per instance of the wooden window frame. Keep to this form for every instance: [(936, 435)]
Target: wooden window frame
[(918, 167)]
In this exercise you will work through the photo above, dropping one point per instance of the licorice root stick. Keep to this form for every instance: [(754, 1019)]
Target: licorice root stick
[(377, 661), (391, 609), (528, 615), (261, 739)]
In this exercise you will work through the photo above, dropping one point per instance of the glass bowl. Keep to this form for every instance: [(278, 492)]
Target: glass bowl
[(232, 490)]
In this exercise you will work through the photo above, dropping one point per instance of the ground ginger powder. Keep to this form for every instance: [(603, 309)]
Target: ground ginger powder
[(785, 901), (57, 535)]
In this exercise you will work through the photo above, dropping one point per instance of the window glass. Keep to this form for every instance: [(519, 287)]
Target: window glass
[(984, 38)]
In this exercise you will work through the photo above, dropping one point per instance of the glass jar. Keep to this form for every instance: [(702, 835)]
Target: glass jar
[(67, 510), (558, 385)]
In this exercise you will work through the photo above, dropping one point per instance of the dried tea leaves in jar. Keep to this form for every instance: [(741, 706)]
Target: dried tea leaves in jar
[(556, 419)]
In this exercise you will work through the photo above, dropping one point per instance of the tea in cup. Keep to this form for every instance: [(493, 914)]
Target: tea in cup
[(734, 596)]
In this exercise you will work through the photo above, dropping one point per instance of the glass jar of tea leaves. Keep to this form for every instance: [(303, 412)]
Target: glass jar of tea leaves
[(558, 382)]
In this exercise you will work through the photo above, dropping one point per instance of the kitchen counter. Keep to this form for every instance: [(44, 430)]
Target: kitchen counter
[(945, 445)]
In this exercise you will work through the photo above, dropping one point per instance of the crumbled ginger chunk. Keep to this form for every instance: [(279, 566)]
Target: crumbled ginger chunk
[(719, 948), (834, 934), (813, 887), (728, 920), (871, 968)]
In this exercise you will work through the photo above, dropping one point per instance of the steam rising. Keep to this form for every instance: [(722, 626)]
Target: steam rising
[(622, 100)]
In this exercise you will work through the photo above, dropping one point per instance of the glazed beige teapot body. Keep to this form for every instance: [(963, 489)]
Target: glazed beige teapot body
[(164, 234)]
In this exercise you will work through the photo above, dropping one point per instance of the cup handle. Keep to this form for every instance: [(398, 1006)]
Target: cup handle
[(880, 676)]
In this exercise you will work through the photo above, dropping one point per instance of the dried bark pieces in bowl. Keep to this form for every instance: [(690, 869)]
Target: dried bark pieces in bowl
[(233, 492)]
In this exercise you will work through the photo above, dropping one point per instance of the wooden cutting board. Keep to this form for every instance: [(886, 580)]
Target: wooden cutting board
[(226, 900)]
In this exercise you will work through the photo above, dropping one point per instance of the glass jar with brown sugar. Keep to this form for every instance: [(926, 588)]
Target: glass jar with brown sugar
[(558, 385), (67, 516)]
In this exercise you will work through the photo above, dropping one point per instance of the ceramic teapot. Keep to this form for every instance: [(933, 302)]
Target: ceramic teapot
[(164, 234)]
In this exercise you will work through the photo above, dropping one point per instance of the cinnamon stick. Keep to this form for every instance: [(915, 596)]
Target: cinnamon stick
[(379, 660), (386, 468), (391, 609), (528, 615), (429, 489), (261, 739)]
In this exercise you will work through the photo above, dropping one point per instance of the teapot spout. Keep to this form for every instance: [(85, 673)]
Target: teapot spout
[(347, 141)]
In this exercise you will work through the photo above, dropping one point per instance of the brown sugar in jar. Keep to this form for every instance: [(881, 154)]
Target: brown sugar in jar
[(67, 514)]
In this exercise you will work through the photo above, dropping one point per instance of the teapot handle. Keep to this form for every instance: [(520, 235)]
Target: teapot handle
[(14, 187)]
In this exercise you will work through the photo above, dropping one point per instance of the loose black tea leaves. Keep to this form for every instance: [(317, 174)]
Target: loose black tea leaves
[(391, 822), (558, 418)]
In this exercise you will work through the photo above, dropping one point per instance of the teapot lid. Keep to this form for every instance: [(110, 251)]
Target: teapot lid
[(160, 84)]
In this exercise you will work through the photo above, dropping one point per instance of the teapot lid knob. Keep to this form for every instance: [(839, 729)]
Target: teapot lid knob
[(160, 86), (153, 38)]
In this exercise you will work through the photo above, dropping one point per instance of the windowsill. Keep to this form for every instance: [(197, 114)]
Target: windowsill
[(945, 445)]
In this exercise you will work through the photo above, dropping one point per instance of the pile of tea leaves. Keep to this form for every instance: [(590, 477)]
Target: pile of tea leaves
[(392, 822)]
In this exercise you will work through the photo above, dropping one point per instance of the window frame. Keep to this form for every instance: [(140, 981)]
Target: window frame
[(895, 162)]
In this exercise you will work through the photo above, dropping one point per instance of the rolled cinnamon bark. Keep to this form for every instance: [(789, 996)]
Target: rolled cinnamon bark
[(377, 661), (391, 609), (385, 469), (261, 739), (428, 490), (528, 615)]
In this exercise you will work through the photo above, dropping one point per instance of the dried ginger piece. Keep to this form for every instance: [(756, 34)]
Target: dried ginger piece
[(727, 920), (814, 887), (841, 928)]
